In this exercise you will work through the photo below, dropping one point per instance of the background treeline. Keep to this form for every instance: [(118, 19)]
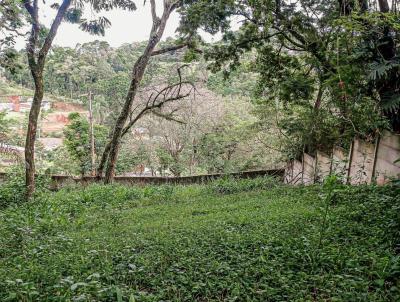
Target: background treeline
[(214, 130)]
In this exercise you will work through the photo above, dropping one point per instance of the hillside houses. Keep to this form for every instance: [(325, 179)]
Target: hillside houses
[(53, 119), (16, 103)]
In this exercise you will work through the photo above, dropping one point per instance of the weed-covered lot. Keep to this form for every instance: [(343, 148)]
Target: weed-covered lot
[(250, 240)]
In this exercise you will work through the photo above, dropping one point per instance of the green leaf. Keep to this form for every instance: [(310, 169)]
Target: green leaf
[(391, 103), (76, 285), (119, 294)]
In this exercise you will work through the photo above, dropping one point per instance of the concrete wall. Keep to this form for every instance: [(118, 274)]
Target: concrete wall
[(366, 163), (387, 154), (308, 169), (294, 172), (59, 181), (361, 162), (323, 166), (339, 164)]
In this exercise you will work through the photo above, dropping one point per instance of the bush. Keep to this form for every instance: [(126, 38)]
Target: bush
[(230, 185), (12, 191)]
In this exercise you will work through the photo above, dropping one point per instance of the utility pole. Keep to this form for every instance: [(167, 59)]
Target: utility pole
[(91, 130)]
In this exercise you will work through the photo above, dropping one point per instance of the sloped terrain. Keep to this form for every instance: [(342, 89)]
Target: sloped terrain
[(251, 240)]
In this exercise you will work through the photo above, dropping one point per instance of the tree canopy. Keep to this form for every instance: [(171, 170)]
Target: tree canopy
[(335, 61)]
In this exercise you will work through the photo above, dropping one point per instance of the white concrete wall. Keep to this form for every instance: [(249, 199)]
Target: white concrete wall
[(387, 154), (361, 162), (323, 168), (293, 173), (340, 163), (308, 169), (366, 163)]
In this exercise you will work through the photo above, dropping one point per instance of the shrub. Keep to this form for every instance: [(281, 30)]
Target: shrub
[(230, 185), (12, 191)]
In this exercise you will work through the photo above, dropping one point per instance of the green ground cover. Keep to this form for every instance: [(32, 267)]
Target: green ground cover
[(251, 240)]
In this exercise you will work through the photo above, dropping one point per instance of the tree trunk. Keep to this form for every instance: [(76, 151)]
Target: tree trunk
[(31, 134), (36, 60), (318, 101), (384, 6), (103, 160), (106, 152), (91, 130), (363, 5), (137, 75), (122, 118)]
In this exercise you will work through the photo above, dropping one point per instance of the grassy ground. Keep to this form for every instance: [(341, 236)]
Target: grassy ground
[(229, 241)]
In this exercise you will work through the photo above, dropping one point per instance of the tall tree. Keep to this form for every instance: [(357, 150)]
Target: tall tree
[(139, 68), (37, 50), (36, 58), (153, 104)]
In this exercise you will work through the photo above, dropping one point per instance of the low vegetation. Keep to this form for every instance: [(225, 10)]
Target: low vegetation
[(231, 240)]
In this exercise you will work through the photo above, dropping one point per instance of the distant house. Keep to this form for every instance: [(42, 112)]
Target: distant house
[(15, 104), (26, 106), (6, 107)]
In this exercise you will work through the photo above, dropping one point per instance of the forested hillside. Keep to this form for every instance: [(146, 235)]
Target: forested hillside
[(214, 129)]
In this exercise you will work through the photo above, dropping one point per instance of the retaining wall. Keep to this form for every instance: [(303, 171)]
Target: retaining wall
[(387, 154), (59, 181), (365, 163)]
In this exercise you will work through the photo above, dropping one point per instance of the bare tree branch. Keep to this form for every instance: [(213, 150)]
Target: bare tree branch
[(168, 49), (29, 8), (157, 101), (168, 116), (153, 11)]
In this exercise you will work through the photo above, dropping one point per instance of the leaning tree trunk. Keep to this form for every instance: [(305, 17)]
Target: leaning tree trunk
[(31, 133), (103, 160), (36, 60), (106, 152), (384, 6), (137, 75)]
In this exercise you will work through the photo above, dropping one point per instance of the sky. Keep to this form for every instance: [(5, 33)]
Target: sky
[(126, 27)]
